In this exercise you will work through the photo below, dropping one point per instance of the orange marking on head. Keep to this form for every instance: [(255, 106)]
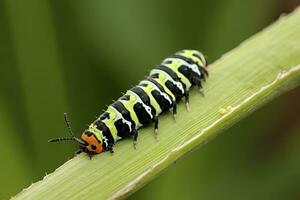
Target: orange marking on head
[(94, 145)]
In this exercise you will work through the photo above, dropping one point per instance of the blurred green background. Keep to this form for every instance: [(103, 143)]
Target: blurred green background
[(76, 56)]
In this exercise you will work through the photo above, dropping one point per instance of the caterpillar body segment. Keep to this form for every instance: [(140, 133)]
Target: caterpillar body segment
[(167, 83)]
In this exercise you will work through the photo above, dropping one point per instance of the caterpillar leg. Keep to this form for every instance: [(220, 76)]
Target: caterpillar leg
[(200, 88), (110, 148), (174, 110), (187, 100), (155, 119), (198, 83), (204, 73), (78, 152), (135, 137)]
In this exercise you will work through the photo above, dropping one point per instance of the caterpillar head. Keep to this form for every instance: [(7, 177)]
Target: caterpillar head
[(88, 142), (92, 144), (193, 55)]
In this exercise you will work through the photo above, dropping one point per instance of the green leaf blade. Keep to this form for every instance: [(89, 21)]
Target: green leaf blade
[(261, 68)]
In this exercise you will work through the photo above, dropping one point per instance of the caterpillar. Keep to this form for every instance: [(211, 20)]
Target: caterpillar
[(169, 82)]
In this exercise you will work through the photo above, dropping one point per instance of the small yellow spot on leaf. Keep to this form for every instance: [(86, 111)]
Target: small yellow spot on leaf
[(229, 108), (222, 111), (226, 110)]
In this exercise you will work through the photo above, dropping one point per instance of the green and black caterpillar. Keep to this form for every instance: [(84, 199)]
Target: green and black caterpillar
[(169, 82)]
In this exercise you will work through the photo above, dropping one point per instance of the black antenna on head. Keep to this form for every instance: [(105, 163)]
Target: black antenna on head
[(68, 124), (60, 139), (72, 137)]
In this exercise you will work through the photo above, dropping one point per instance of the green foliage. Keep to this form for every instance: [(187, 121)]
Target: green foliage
[(262, 67)]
